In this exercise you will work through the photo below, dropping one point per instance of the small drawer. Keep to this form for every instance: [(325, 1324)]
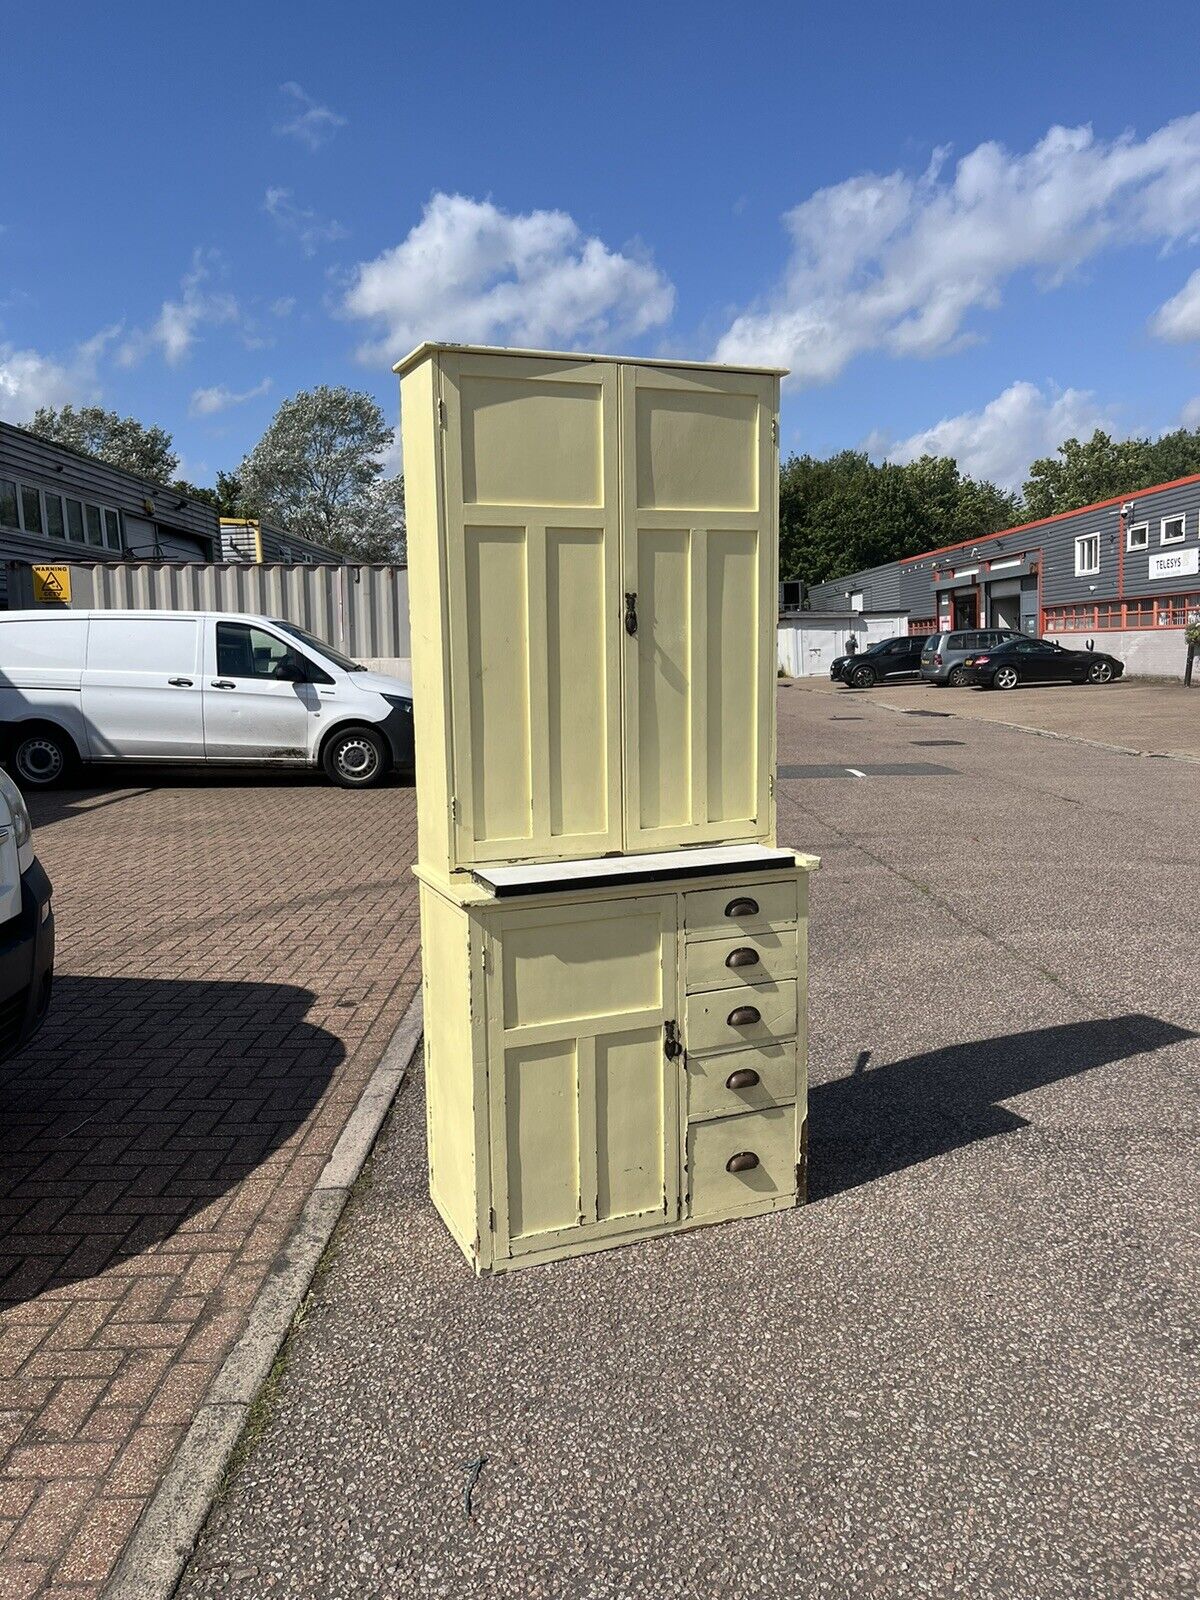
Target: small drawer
[(745, 958), (731, 1019), (763, 1077), (745, 908), (735, 1161)]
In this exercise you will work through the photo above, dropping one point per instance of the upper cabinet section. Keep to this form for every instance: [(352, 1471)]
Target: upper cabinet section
[(592, 549)]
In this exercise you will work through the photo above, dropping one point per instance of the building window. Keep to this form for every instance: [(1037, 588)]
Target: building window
[(1172, 530), (1087, 555), (31, 510), (75, 521), (8, 503), (55, 526), (1138, 538)]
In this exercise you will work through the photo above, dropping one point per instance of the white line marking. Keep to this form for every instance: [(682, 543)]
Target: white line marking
[(855, 773)]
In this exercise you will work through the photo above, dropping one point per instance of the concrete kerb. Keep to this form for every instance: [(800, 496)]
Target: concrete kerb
[(1025, 727), (153, 1560)]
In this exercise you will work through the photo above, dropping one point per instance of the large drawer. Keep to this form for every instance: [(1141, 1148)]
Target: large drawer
[(731, 1019), (744, 958), (761, 1147), (763, 1077), (747, 908)]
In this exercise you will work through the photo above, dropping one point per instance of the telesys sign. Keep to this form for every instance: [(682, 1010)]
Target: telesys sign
[(1175, 564)]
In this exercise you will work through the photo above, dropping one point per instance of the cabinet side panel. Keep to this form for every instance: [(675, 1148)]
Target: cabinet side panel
[(426, 599), (450, 1078)]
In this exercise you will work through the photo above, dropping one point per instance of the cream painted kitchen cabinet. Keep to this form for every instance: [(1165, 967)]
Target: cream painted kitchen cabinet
[(592, 567), (614, 1048)]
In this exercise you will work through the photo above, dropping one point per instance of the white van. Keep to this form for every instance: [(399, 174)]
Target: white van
[(184, 686)]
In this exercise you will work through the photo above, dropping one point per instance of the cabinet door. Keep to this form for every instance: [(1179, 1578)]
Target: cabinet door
[(585, 1105), (699, 520), (533, 573)]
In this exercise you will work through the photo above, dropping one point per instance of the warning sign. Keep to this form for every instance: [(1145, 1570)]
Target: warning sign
[(52, 586)]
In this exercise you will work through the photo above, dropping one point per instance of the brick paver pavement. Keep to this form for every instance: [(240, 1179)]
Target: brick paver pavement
[(233, 955)]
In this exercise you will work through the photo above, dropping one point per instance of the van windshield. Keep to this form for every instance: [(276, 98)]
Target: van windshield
[(319, 645)]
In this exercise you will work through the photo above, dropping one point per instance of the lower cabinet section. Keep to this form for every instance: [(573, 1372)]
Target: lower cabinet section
[(596, 1068)]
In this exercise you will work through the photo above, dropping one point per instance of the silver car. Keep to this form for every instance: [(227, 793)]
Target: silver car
[(943, 654)]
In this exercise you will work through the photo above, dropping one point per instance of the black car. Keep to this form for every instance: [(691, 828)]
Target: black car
[(890, 658), (1039, 661)]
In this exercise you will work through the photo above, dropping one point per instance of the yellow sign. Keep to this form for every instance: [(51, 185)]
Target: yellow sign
[(52, 585)]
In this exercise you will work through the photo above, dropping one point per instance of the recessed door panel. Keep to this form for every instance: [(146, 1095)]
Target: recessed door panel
[(541, 1097), (698, 554), (630, 1147), (533, 566)]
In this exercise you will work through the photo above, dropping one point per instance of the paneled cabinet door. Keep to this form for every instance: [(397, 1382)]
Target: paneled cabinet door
[(533, 572), (698, 570), (584, 1104)]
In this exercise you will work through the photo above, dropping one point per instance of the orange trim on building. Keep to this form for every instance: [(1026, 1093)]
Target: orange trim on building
[(1059, 516)]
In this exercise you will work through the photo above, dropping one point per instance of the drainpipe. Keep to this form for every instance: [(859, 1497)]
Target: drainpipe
[(1121, 562)]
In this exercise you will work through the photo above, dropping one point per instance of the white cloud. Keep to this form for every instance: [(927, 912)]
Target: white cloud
[(284, 306), (313, 124), (175, 329), (473, 273), (302, 224), (897, 263), (207, 402), (1177, 320), (29, 379), (999, 441)]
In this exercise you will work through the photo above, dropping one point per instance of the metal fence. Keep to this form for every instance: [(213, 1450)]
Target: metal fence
[(362, 610)]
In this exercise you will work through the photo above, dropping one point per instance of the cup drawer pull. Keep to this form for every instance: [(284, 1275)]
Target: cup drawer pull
[(743, 1078), (742, 908), (744, 957), (743, 1016), (744, 1161)]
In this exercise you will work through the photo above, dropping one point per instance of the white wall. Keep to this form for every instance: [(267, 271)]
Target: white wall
[(1145, 652), (808, 642)]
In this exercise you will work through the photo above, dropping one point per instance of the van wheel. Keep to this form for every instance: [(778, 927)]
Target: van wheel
[(355, 758), (41, 758)]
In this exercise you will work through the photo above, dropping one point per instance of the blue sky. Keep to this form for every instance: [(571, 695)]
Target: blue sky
[(209, 208)]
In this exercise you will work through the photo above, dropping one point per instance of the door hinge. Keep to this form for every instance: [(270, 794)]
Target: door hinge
[(631, 614), (491, 1219), (454, 808), (485, 960), (672, 1043), (441, 413), (774, 430), (771, 783)]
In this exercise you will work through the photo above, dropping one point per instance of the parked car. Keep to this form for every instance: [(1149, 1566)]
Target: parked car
[(26, 926), (192, 686), (1040, 661), (944, 654), (890, 658)]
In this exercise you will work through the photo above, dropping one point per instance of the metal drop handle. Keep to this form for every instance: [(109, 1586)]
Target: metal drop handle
[(743, 1078), (742, 908), (631, 614), (744, 1161), (743, 1016), (744, 957)]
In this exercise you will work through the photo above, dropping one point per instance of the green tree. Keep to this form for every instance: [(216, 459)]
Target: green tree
[(1104, 467), (318, 472), (118, 441), (225, 498)]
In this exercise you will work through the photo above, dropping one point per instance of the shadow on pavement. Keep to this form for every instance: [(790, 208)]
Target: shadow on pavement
[(882, 1119), (141, 1103)]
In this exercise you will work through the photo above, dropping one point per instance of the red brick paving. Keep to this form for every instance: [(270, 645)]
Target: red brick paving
[(233, 956)]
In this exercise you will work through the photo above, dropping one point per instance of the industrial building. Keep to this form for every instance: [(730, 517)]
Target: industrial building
[(57, 505), (1125, 570)]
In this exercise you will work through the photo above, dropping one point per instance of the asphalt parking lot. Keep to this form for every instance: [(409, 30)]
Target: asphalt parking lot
[(967, 1367)]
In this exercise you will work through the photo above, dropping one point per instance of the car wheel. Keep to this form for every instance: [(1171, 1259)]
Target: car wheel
[(355, 758), (957, 678), (42, 758), (1005, 678), (1100, 672), (863, 678)]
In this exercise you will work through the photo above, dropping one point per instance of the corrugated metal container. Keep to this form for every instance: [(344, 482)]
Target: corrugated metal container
[(361, 610)]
